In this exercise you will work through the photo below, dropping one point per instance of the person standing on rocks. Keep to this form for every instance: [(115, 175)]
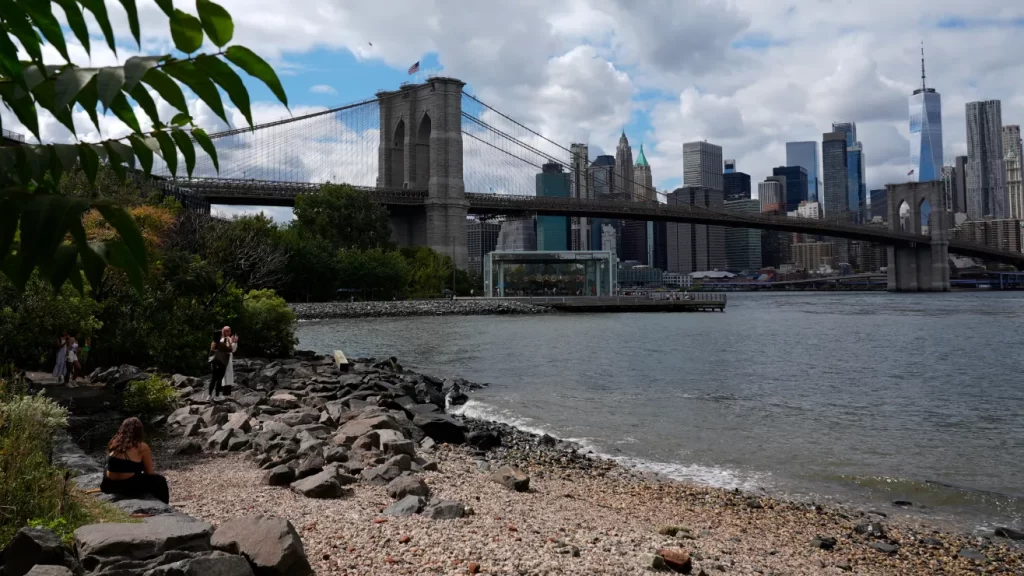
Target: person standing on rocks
[(220, 361), (60, 368), (130, 465), (229, 374)]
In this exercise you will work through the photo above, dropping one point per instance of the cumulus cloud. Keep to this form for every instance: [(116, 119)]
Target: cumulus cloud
[(322, 89)]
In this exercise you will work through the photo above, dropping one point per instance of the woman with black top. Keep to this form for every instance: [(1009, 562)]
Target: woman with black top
[(130, 465)]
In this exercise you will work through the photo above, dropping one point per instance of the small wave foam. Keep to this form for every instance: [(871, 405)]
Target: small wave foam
[(704, 475)]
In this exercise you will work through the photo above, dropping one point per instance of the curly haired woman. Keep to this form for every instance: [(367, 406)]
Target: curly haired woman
[(130, 465)]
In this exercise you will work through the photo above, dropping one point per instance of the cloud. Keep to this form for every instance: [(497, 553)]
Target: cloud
[(322, 89)]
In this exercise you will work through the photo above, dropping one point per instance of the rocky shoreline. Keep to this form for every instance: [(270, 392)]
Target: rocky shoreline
[(378, 479), (405, 308)]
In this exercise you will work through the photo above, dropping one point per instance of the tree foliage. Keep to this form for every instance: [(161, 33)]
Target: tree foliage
[(344, 217), (268, 325), (48, 226), (249, 250)]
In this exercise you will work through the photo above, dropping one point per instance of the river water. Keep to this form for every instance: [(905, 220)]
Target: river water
[(858, 398)]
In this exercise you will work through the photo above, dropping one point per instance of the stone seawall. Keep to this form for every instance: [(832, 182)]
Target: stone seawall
[(471, 307)]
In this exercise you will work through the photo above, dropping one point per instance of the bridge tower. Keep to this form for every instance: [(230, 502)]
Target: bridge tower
[(922, 267), (421, 149)]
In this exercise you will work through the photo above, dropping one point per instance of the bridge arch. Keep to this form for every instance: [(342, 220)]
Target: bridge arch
[(916, 207), (423, 152), (398, 155), (924, 212), (906, 218)]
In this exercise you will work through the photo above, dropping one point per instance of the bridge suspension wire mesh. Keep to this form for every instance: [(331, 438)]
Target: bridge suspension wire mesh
[(335, 145)]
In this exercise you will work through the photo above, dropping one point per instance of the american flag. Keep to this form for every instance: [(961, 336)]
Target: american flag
[(911, 173), (414, 68)]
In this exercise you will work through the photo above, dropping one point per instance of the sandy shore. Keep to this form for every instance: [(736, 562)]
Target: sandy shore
[(596, 519)]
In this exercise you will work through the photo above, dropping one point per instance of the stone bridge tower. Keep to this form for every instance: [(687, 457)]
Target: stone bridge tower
[(421, 149), (923, 267)]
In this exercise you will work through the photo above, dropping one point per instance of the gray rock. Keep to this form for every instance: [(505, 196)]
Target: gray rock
[(345, 479), (885, 547), (483, 439), (176, 417), (283, 400), (336, 454), (238, 442), (873, 529), (147, 506), (310, 465), (653, 561), (972, 554), (278, 429), (824, 542), (408, 506), (220, 439), (403, 462), (298, 418), (362, 425), (189, 448), (239, 421), (444, 510), (41, 570), (1010, 533), (396, 447), (511, 478), (271, 545), (321, 485), (368, 441), (213, 564), (441, 427), (405, 485), (381, 475), (31, 546), (97, 544), (279, 476)]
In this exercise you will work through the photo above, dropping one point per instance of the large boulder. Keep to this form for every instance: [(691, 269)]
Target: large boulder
[(298, 418), (396, 447), (41, 570), (336, 454), (321, 485), (511, 478), (32, 546), (100, 544), (220, 439), (441, 427), (408, 506), (212, 564), (271, 545), (362, 425), (279, 476), (309, 465), (444, 510), (405, 485), (239, 421), (381, 475), (484, 439)]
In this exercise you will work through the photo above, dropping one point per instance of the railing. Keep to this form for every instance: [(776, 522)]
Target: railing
[(623, 298), (13, 135)]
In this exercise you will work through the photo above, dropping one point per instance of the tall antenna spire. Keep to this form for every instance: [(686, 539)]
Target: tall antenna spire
[(923, 85)]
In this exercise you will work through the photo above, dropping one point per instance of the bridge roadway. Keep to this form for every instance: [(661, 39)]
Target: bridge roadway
[(267, 193)]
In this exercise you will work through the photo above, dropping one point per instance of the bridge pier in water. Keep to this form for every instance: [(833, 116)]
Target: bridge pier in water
[(922, 267), (421, 148)]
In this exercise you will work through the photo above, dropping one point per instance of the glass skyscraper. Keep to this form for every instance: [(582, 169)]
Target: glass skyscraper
[(553, 231), (926, 131), (857, 189), (805, 155)]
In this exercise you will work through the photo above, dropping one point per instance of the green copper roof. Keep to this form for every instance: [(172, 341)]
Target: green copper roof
[(641, 160)]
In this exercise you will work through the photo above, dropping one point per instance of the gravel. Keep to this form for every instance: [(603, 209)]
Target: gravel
[(579, 517), (469, 307)]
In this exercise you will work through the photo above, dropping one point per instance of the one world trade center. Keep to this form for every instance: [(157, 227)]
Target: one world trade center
[(925, 131)]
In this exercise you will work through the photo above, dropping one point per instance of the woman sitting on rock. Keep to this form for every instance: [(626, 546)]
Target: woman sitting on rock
[(130, 465)]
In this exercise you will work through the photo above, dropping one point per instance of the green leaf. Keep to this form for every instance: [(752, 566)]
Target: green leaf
[(123, 110), (118, 149), (181, 119), (43, 18), (136, 67), (33, 76), (108, 84), (10, 213), (18, 23), (190, 76), (143, 152), (24, 108), (75, 277), (168, 152), (126, 228), (88, 99), (45, 219), (216, 22), (71, 82), (256, 67), (65, 262), (9, 59), (76, 22), (186, 31), (145, 101), (133, 19), (68, 154), (187, 150), (99, 11), (167, 89), (120, 256), (206, 144), (223, 75), (116, 161), (94, 260), (90, 161), (45, 95), (166, 5)]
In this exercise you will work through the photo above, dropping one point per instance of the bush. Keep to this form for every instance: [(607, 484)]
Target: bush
[(268, 326), (153, 395)]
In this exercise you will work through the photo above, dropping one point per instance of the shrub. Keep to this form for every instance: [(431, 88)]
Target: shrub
[(153, 395), (268, 325)]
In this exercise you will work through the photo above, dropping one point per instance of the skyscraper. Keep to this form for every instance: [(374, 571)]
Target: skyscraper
[(1014, 163), (553, 231), (580, 179), (702, 165), (948, 178), (736, 185), (624, 168), (805, 155), (960, 200), (795, 184), (730, 166), (837, 179), (695, 247), (602, 187), (857, 189), (481, 239), (986, 162), (771, 194), (925, 131), (644, 179), (743, 245)]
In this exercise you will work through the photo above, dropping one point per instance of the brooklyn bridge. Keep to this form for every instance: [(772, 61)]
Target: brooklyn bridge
[(433, 154)]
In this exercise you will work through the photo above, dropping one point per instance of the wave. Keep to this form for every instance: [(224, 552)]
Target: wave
[(704, 475)]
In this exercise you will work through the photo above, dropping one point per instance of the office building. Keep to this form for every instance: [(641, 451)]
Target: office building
[(644, 179), (624, 182), (805, 155), (925, 131), (693, 247), (856, 190), (836, 175), (880, 204), (553, 232), (960, 200), (481, 239), (1014, 162), (730, 166), (1002, 234), (736, 186), (601, 187), (609, 237), (635, 242), (948, 178), (517, 236), (743, 245), (772, 194), (580, 178), (796, 185), (659, 237), (812, 256), (808, 210), (986, 161), (702, 165)]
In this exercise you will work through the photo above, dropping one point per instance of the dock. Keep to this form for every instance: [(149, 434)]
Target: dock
[(698, 302)]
